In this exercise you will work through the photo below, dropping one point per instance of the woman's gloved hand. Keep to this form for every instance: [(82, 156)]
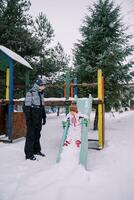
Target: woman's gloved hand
[(44, 121)]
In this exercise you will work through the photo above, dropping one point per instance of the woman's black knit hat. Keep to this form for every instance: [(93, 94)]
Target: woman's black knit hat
[(40, 82)]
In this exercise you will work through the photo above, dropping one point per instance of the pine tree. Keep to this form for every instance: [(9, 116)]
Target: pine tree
[(52, 60), (58, 66), (31, 39), (105, 44), (15, 34), (43, 30), (15, 23), (60, 58)]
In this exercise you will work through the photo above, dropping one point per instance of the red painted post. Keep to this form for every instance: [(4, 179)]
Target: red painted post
[(71, 90)]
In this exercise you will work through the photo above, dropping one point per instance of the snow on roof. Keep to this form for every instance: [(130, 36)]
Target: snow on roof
[(15, 56)]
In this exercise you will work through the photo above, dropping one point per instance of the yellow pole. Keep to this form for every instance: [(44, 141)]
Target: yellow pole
[(7, 83), (100, 110)]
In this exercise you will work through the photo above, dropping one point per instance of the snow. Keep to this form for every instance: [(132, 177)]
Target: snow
[(15, 56), (50, 99), (109, 175)]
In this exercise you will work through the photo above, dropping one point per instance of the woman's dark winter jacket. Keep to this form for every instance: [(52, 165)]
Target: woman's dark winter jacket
[(34, 107)]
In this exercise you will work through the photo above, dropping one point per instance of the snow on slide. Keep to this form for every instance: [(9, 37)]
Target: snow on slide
[(61, 180)]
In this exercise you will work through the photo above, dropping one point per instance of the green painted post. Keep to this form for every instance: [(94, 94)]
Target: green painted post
[(26, 80), (84, 143), (85, 107), (67, 90), (64, 136)]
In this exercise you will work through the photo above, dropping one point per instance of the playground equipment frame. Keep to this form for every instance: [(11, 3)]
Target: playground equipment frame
[(6, 64), (99, 102)]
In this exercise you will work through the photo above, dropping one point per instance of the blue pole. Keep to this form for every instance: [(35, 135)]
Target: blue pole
[(75, 87), (10, 106)]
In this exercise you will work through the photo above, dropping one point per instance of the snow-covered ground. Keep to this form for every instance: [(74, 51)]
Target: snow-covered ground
[(110, 171)]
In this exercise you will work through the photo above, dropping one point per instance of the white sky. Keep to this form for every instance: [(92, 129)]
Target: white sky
[(66, 17)]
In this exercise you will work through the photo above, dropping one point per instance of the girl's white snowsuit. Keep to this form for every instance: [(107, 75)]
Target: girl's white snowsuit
[(74, 132)]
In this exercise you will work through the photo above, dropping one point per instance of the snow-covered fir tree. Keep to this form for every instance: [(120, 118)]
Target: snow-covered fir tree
[(105, 44)]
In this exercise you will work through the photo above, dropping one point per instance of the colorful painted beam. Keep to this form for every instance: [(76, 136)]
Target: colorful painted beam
[(101, 109), (6, 63), (7, 83)]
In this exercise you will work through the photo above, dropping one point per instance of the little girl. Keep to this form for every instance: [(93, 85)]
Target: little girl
[(74, 132)]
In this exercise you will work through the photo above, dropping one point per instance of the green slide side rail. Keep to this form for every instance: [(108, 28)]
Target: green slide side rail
[(64, 136), (84, 143), (85, 107)]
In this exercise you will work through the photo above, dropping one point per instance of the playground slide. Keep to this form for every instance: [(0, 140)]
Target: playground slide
[(85, 107)]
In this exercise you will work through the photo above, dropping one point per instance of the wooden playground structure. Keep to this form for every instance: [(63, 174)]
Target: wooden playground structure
[(71, 89), (12, 121)]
